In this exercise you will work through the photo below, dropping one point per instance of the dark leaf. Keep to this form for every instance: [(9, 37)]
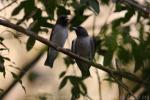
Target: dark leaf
[(80, 10), (120, 7), (30, 43), (75, 93), (1, 49), (15, 67), (1, 39), (17, 9), (77, 20), (32, 76), (63, 82), (68, 61), (108, 58), (50, 6), (74, 80), (93, 5), (23, 87), (128, 15), (124, 55), (15, 76), (6, 58), (116, 23), (110, 42), (83, 88), (29, 4), (139, 56), (62, 74), (4, 45), (2, 67), (62, 11), (105, 1), (44, 30)]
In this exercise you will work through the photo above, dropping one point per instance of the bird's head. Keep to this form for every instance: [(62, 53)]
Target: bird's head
[(63, 20), (80, 31)]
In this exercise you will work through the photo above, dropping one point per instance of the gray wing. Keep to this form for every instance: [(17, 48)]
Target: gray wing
[(92, 48)]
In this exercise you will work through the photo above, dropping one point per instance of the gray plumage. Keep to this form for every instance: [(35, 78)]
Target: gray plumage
[(83, 46), (58, 36)]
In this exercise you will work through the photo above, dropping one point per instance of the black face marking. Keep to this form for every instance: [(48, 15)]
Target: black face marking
[(63, 20)]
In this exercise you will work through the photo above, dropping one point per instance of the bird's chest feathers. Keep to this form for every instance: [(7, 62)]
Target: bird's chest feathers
[(60, 35), (83, 44)]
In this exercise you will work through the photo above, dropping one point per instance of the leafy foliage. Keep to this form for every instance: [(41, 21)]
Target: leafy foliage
[(16, 77), (126, 49), (78, 88)]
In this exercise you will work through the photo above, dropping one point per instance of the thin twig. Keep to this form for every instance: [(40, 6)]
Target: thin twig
[(110, 71), (123, 86), (99, 85), (135, 4), (98, 77), (8, 5), (120, 79), (21, 74)]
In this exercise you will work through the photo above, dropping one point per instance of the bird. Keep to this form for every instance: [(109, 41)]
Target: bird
[(58, 36), (83, 46)]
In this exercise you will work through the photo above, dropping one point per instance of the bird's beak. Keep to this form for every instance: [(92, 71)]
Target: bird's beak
[(74, 28)]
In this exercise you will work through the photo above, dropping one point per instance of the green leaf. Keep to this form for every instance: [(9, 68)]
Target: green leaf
[(124, 55), (83, 88), (50, 6), (111, 43), (93, 5), (16, 77), (6, 58), (68, 61), (62, 11), (120, 7), (108, 58), (2, 67), (75, 93), (128, 15), (30, 43), (26, 5), (78, 19), (62, 74), (63, 82), (1, 39), (105, 2), (17, 9), (139, 56)]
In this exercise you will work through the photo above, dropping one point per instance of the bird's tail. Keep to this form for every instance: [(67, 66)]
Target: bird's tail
[(51, 56), (84, 68)]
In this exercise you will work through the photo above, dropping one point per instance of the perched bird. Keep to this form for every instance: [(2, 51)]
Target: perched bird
[(83, 46), (58, 36)]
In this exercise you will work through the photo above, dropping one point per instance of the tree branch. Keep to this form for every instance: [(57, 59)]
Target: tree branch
[(140, 7), (123, 74), (25, 69), (8, 5)]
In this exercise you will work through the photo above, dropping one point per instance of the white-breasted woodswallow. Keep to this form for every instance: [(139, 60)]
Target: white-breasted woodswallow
[(83, 46), (58, 36)]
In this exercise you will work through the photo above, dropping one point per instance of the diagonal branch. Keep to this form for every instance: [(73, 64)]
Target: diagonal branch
[(8, 5), (140, 7), (25, 69), (123, 74)]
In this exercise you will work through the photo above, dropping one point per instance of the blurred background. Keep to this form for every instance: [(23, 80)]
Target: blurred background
[(122, 37)]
